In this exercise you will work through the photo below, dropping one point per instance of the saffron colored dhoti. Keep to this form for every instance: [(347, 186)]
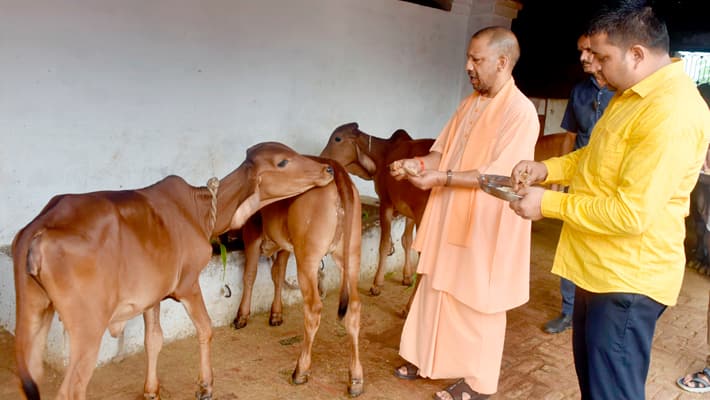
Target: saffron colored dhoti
[(456, 341)]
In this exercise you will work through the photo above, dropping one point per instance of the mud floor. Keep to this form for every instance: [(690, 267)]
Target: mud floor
[(255, 363)]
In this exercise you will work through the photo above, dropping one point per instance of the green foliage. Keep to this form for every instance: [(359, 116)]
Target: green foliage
[(223, 256), (415, 277)]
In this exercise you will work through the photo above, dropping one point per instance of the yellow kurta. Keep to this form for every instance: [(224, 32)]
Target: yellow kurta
[(475, 252), (629, 191)]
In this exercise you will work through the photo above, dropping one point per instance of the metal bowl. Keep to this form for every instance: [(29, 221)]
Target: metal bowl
[(499, 186)]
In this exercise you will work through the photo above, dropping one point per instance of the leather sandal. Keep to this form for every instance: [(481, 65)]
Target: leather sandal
[(411, 374), (459, 389)]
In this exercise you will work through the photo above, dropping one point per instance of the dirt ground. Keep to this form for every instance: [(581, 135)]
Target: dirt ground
[(256, 362)]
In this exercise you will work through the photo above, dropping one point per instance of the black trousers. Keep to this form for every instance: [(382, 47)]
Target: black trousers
[(611, 341)]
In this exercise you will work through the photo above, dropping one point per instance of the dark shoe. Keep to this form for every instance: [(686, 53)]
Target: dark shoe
[(561, 324)]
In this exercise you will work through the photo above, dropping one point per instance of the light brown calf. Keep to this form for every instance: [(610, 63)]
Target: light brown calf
[(99, 259), (368, 157), (321, 221)]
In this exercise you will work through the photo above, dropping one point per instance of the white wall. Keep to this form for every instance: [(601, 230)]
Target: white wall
[(110, 95), (106, 94), (222, 309)]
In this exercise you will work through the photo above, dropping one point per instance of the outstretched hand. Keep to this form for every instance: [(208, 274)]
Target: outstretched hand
[(527, 173), (405, 168), (530, 206)]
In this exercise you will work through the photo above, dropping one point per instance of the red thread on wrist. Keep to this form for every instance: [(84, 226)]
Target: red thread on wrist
[(421, 164)]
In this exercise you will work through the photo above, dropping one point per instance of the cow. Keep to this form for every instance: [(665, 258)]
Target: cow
[(368, 157), (99, 259), (323, 220), (554, 145), (699, 216)]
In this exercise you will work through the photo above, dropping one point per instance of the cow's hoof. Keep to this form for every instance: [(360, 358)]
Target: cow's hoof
[(151, 396), (403, 313), (240, 322), (299, 379), (375, 290), (276, 319), (407, 281), (204, 393), (356, 387)]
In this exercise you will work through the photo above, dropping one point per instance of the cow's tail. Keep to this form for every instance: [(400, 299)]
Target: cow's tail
[(347, 195), (32, 322)]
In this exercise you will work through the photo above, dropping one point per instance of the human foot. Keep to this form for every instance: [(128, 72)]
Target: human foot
[(407, 371), (459, 391), (698, 382)]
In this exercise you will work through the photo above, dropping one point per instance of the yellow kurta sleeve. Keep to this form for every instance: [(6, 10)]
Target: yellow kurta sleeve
[(629, 191)]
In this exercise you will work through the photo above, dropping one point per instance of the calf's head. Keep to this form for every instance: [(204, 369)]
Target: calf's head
[(348, 145), (277, 172)]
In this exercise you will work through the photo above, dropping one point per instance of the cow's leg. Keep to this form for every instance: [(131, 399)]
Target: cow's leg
[(704, 267), (153, 344), (704, 221), (34, 318), (405, 311), (386, 214), (278, 274), (312, 306), (351, 320), (407, 240), (252, 251), (195, 306), (84, 343), (696, 216)]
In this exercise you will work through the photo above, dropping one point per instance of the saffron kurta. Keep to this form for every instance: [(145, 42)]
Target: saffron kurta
[(475, 252)]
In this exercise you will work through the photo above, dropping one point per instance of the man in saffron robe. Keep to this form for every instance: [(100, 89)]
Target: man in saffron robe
[(475, 252)]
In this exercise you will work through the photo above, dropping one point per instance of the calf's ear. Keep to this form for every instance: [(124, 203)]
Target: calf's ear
[(245, 210), (249, 206), (367, 163)]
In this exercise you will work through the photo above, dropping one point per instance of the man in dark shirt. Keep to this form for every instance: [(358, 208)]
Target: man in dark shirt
[(587, 102)]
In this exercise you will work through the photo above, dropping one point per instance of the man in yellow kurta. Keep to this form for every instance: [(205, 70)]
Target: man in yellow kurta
[(475, 252), (622, 237)]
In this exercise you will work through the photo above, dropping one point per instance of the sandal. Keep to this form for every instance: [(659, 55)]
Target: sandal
[(699, 382), (458, 390), (412, 372)]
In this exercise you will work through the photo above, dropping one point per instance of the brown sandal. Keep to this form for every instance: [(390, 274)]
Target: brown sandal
[(411, 374), (458, 389)]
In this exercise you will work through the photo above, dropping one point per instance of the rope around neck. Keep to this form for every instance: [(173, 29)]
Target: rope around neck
[(212, 186)]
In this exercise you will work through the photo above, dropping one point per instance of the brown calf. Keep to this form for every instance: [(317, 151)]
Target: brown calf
[(99, 259), (321, 221), (554, 145), (368, 157)]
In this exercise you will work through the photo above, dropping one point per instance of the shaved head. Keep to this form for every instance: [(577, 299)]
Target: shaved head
[(503, 40)]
